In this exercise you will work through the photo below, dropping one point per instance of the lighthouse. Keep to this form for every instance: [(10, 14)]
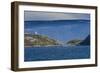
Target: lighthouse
[(36, 33)]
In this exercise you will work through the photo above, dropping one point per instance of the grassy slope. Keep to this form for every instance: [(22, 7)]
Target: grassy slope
[(39, 40)]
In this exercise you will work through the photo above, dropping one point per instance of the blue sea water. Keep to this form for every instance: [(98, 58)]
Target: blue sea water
[(61, 30), (56, 53)]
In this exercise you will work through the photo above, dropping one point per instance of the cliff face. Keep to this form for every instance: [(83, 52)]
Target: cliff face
[(38, 40), (86, 41)]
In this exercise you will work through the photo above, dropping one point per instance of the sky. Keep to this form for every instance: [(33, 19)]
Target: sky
[(43, 16)]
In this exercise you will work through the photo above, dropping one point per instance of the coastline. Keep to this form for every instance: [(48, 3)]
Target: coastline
[(45, 46), (54, 46)]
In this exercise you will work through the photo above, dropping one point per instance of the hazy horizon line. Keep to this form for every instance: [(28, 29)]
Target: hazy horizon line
[(58, 20)]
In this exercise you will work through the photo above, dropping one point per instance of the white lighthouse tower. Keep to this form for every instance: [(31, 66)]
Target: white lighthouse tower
[(36, 33)]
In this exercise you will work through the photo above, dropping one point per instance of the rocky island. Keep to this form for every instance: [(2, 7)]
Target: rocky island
[(78, 42), (73, 42), (86, 41), (37, 40)]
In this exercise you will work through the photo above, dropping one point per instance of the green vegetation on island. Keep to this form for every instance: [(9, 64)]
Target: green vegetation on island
[(38, 40), (77, 42), (74, 42)]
